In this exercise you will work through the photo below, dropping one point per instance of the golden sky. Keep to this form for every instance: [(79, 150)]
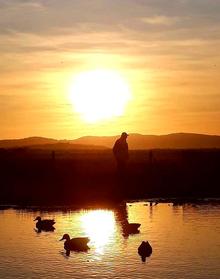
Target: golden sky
[(168, 52)]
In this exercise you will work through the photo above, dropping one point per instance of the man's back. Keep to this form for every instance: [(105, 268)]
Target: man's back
[(120, 148)]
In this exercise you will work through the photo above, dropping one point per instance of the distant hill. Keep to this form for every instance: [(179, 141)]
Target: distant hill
[(26, 142), (135, 141), (46, 143), (138, 141)]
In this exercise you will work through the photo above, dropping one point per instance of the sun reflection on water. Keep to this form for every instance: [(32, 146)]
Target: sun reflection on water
[(99, 225)]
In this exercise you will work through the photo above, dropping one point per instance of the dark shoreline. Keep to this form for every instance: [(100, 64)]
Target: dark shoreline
[(110, 205), (42, 177)]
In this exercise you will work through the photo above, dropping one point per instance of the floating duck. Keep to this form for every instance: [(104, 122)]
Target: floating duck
[(45, 225), (130, 228), (75, 244), (144, 250)]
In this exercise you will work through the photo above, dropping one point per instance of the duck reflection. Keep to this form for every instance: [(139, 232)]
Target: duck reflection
[(122, 217), (44, 230), (99, 225)]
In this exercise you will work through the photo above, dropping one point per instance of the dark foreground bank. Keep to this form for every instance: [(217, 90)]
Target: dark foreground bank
[(34, 176)]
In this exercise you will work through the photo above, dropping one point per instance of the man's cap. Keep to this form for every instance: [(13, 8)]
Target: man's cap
[(124, 134)]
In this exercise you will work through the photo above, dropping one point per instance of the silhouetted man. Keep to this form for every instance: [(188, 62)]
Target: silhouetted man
[(120, 150)]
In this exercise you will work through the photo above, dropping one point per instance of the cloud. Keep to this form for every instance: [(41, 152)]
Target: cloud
[(160, 20), (45, 17)]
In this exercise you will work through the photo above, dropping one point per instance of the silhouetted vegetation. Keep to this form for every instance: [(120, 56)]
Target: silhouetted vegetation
[(35, 176)]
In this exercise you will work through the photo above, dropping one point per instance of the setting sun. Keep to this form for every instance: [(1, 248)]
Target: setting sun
[(99, 95)]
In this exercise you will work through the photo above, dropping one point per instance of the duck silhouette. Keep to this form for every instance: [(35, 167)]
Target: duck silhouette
[(75, 244), (130, 228), (145, 250), (44, 225)]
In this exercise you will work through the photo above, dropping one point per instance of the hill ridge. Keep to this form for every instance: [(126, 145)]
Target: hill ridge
[(135, 141)]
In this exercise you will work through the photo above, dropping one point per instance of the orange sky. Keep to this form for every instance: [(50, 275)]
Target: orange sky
[(167, 51)]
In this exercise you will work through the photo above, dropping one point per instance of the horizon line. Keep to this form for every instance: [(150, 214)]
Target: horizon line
[(65, 139)]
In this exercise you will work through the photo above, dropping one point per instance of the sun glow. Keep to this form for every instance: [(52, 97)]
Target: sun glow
[(99, 225), (99, 95)]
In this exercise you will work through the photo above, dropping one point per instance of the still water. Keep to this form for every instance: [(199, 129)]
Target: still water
[(185, 241)]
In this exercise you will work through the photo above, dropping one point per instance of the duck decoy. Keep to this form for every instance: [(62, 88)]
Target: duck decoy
[(145, 250), (45, 225), (75, 244), (130, 228)]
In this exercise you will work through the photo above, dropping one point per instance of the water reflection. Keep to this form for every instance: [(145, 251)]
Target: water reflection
[(99, 225), (188, 234), (44, 230)]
